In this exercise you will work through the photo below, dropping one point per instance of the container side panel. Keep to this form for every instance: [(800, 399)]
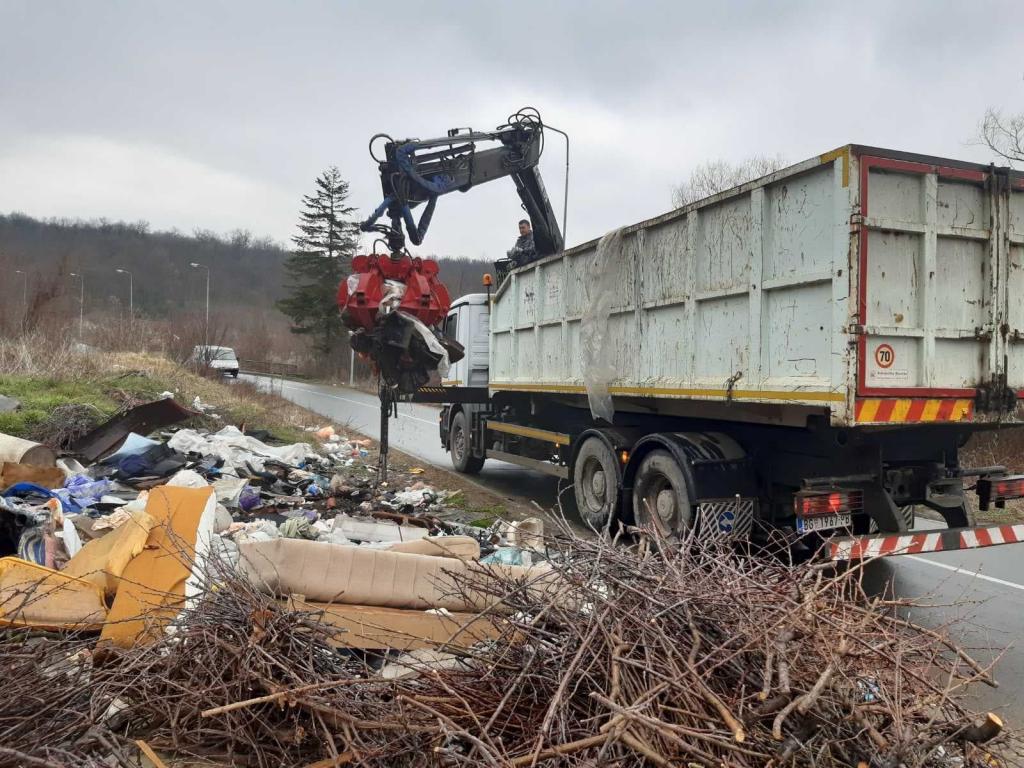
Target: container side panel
[(959, 363), (664, 271), (552, 286), (722, 339), (577, 277), (526, 295), (799, 215), (666, 346), (502, 362), (501, 312), (552, 353), (961, 205), (961, 279), (1015, 288), (724, 249), (526, 353), (894, 274), (898, 196), (798, 334)]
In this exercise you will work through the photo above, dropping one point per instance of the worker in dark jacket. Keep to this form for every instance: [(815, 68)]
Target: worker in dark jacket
[(523, 252)]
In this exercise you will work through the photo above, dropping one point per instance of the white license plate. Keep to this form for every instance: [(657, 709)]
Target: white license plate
[(823, 523)]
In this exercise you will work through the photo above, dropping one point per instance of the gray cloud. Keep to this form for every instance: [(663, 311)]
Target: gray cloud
[(219, 114)]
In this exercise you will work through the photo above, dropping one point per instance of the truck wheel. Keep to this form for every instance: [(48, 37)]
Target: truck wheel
[(596, 479), (460, 444), (660, 497)]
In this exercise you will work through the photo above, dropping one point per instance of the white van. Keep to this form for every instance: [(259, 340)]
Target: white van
[(221, 359)]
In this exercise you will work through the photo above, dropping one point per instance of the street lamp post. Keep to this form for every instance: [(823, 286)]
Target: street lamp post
[(206, 333), (81, 303), (131, 294)]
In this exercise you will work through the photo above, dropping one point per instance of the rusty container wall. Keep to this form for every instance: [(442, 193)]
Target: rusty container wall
[(755, 297)]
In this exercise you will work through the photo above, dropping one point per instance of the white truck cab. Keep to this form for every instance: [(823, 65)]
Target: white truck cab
[(468, 323)]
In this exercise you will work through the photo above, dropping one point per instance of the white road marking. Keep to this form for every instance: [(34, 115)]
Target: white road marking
[(964, 572)]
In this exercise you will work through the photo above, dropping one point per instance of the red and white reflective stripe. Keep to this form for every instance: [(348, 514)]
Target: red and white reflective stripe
[(881, 545)]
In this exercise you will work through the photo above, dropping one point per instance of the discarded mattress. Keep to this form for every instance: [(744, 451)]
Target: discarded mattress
[(354, 575)]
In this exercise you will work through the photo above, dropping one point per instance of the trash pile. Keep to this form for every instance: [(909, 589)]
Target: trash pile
[(209, 596), (666, 655)]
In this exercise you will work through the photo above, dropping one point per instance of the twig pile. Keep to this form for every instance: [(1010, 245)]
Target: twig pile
[(669, 655)]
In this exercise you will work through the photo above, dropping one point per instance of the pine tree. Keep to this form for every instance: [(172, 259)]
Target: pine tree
[(326, 241)]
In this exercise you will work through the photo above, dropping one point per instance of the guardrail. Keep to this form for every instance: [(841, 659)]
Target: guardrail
[(270, 368)]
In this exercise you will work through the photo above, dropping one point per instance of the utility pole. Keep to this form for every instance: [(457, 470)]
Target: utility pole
[(81, 304), (206, 334), (131, 294), (352, 368)]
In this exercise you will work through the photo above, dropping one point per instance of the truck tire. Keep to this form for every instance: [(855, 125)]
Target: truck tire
[(660, 497), (596, 479), (460, 445)]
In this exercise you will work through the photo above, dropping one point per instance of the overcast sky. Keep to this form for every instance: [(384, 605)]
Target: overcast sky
[(218, 115)]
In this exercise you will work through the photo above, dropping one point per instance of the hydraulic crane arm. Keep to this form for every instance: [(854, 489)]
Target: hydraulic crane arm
[(418, 171)]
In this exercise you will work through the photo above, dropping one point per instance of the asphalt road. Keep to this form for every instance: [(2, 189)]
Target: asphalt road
[(981, 590)]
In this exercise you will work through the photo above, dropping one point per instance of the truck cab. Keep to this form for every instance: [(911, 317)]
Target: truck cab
[(468, 323)]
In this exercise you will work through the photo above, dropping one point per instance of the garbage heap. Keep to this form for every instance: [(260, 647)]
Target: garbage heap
[(187, 634)]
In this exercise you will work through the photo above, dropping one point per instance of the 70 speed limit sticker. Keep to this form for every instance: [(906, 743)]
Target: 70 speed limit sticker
[(886, 368), (884, 356)]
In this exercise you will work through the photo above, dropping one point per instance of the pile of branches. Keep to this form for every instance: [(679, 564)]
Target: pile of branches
[(657, 653), (66, 424)]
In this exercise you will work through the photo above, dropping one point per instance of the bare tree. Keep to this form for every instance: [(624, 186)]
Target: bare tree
[(716, 176), (1003, 134)]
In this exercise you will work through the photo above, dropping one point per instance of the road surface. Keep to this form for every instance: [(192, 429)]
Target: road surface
[(982, 590)]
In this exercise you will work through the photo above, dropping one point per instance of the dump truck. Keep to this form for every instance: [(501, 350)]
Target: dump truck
[(804, 354)]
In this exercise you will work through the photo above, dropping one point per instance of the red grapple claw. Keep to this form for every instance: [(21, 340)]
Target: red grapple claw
[(425, 298)]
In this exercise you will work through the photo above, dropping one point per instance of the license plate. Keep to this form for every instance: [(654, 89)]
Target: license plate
[(823, 523)]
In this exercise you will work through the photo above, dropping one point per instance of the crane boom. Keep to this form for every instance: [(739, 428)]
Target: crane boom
[(418, 171)]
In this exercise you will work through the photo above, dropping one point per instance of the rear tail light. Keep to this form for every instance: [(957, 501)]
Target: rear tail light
[(812, 503), (999, 489)]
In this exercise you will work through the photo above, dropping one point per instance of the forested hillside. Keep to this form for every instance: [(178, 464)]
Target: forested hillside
[(41, 261)]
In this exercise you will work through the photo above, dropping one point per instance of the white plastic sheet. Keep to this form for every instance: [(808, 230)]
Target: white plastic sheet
[(236, 448), (598, 354), (431, 341)]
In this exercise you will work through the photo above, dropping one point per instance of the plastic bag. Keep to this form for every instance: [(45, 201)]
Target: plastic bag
[(598, 354)]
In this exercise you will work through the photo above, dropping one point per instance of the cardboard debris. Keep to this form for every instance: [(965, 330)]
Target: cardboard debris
[(155, 583), (35, 596), (373, 627), (14, 472)]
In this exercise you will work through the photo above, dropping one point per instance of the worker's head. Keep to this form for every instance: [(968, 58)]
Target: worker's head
[(524, 226)]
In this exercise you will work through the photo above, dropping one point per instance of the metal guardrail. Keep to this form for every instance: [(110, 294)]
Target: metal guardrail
[(270, 368)]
